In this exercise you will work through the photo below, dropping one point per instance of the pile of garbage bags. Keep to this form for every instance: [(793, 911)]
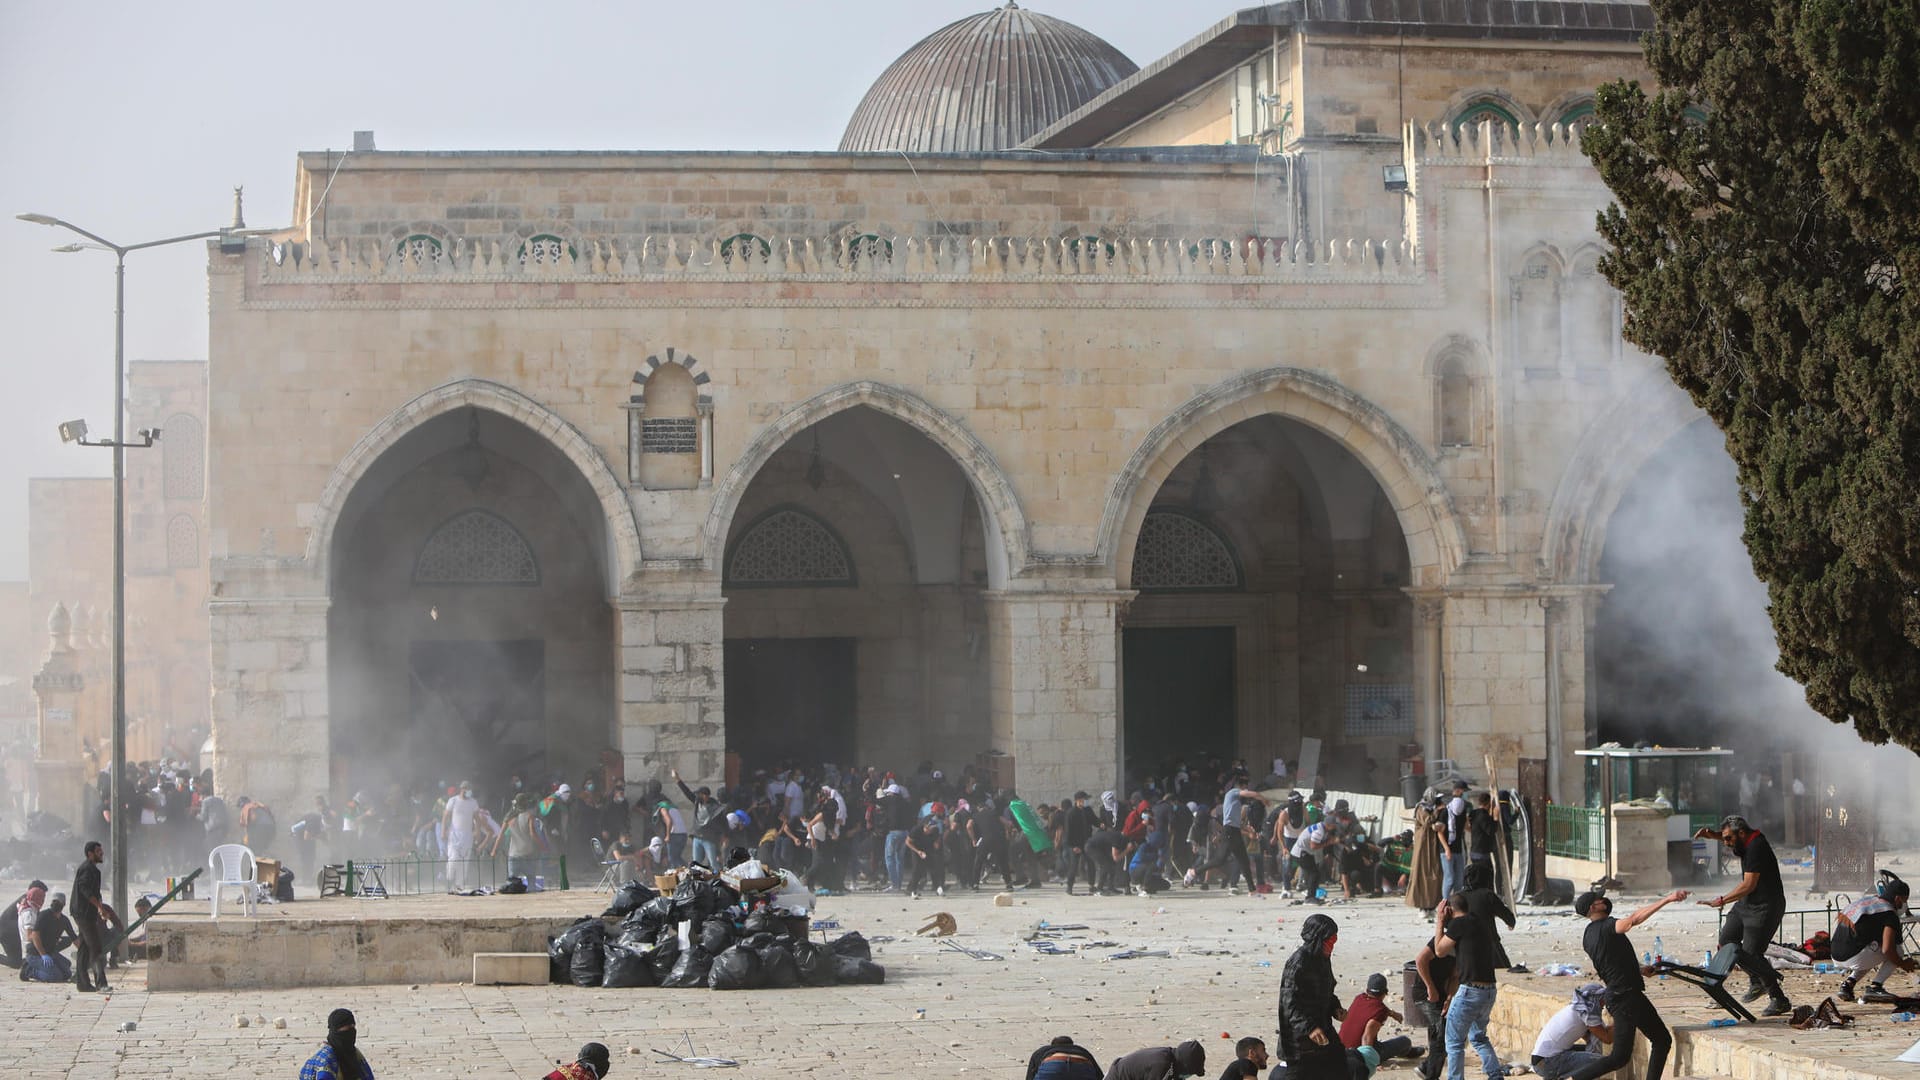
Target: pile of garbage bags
[(702, 935)]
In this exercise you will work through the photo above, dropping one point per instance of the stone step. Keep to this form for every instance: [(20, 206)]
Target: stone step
[(509, 969)]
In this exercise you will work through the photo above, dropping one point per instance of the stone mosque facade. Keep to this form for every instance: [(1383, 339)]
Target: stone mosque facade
[(1073, 417)]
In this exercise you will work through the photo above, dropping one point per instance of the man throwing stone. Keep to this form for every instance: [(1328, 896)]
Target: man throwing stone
[(1619, 968), (1759, 903)]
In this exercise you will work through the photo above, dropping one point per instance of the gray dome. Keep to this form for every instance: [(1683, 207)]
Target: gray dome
[(987, 82)]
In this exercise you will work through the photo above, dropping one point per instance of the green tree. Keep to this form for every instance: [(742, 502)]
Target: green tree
[(1766, 238)]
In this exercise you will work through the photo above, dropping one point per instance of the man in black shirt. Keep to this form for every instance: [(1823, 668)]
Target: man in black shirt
[(1614, 961), (1759, 903), (1249, 1060), (91, 915), (1461, 935), (1080, 825), (1432, 991)]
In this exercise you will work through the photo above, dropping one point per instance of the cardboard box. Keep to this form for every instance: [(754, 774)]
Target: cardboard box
[(266, 871), (666, 883)]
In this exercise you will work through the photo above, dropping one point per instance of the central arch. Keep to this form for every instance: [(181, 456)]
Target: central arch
[(1436, 543), (1005, 522)]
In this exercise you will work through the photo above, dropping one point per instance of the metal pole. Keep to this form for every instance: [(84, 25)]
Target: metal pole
[(122, 832)]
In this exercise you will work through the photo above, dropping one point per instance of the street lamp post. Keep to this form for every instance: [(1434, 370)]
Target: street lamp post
[(122, 832)]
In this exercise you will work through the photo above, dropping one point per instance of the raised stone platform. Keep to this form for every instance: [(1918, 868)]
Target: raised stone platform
[(342, 942)]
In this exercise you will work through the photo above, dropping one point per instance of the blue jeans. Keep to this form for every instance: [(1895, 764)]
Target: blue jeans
[(896, 857), (706, 852), (1453, 873), (55, 968), (677, 849), (1467, 1022)]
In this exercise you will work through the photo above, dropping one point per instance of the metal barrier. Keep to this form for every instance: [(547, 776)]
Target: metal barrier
[(1576, 832), (1825, 914), (416, 875)]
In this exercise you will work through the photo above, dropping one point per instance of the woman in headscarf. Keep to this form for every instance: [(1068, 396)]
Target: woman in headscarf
[(1309, 1038), (1423, 877)]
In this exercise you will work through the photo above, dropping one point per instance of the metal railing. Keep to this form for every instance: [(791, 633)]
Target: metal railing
[(416, 875), (1577, 832)]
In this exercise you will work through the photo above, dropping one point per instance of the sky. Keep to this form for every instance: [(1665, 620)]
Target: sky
[(136, 121)]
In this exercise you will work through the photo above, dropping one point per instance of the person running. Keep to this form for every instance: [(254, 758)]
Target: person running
[(338, 1059), (1233, 823), (1471, 940), (1759, 903), (1079, 829), (1309, 1041), (1619, 968)]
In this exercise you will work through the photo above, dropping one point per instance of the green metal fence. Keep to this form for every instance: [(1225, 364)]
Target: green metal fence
[(1577, 832), (414, 875)]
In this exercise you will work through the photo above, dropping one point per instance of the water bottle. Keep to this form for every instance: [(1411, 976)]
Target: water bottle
[(1823, 968), (1902, 1017), (1320, 893), (1659, 950), (1725, 1021)]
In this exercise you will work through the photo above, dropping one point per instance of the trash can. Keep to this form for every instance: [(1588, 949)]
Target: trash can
[(1412, 786), (1413, 994)]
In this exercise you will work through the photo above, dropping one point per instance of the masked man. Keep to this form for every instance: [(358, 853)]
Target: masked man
[(338, 1059)]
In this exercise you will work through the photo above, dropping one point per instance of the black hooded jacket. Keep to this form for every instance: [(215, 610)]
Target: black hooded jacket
[(1307, 1004), (1161, 1063)]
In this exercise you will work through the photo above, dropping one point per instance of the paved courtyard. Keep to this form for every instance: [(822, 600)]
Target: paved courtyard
[(981, 1017)]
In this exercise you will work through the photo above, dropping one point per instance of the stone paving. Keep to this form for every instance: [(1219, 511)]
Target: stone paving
[(981, 1017)]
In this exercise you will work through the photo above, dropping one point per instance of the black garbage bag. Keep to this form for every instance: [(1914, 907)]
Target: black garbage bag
[(697, 900), (736, 969), (628, 898), (560, 951), (628, 967), (848, 970), (641, 925), (760, 922), (589, 954), (716, 935), (814, 964), (690, 970), (665, 955), (851, 944), (659, 909), (778, 969)]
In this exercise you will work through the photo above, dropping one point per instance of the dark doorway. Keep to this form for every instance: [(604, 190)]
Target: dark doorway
[(478, 709), (1179, 695), (790, 698)]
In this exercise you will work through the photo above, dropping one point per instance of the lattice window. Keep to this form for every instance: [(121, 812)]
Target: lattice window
[(1379, 709), (789, 548), (545, 249), (476, 547), (183, 542), (1179, 552), (424, 250), (745, 245), (183, 452)]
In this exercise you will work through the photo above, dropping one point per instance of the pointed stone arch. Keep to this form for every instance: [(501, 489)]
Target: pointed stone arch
[(1436, 543), (623, 530), (1611, 452), (1005, 522)]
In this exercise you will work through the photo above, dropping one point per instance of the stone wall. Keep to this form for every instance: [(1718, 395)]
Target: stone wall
[(247, 954)]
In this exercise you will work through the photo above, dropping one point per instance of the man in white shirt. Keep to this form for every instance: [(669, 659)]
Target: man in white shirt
[(1560, 1050), (458, 825), (1453, 861), (796, 799)]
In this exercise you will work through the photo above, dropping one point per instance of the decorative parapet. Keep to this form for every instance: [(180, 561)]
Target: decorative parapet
[(1495, 142), (898, 258)]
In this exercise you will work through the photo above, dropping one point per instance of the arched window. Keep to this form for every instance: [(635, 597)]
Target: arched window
[(1536, 311), (1486, 108), (670, 429), (1178, 552), (744, 245), (425, 250), (1576, 116), (545, 249), (1592, 328), (183, 453), (1453, 399), (476, 547), (183, 542), (788, 548)]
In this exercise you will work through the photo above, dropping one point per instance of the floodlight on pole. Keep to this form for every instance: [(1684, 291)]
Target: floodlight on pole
[(119, 825)]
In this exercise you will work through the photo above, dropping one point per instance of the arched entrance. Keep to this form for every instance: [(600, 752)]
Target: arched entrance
[(1270, 567), (855, 567), (470, 636)]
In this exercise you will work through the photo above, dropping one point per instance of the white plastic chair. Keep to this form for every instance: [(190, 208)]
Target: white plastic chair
[(232, 865)]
